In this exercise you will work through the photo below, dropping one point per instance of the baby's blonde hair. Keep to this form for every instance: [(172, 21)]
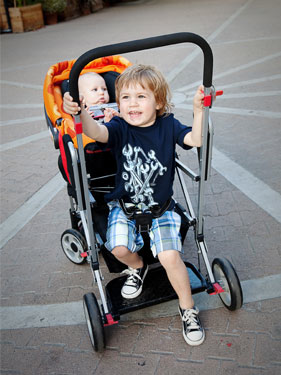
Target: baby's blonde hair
[(148, 77), (87, 75)]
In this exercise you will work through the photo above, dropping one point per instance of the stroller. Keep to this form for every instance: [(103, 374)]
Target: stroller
[(89, 173)]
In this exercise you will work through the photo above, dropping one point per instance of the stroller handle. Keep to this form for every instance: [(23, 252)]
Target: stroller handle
[(138, 45)]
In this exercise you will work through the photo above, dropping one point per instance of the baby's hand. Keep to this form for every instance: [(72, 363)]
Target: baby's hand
[(198, 100), (109, 113), (69, 105)]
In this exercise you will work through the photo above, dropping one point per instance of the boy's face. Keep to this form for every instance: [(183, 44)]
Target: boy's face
[(138, 105), (94, 90)]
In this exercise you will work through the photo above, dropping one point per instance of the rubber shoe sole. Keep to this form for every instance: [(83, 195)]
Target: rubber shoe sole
[(193, 343)]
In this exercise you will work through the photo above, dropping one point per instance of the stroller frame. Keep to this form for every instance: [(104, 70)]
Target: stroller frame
[(221, 277)]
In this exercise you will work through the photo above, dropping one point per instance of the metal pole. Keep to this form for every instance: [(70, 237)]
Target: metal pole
[(93, 250), (203, 165)]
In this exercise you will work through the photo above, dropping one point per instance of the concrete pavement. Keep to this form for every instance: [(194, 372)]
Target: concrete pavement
[(242, 211)]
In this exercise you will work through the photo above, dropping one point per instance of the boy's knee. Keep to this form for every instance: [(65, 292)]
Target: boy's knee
[(169, 258), (120, 251)]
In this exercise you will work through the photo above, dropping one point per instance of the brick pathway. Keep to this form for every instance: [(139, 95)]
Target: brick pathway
[(245, 38)]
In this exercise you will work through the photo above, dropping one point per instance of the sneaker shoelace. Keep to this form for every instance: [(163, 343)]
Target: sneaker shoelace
[(191, 318), (133, 275)]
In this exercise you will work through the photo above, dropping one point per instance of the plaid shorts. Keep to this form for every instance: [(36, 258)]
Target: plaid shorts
[(164, 233)]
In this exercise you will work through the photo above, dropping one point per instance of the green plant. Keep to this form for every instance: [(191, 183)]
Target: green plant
[(53, 6)]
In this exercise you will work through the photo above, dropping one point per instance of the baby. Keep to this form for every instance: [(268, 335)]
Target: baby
[(93, 90)]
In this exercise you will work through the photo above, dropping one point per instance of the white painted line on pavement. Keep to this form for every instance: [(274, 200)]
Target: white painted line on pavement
[(253, 81), (22, 106), (71, 313), (228, 22), (21, 67), (21, 85), (233, 70), (14, 223), (59, 314), (22, 120), (182, 65), (267, 287), (236, 111), (247, 112), (24, 141), (249, 40), (241, 95), (259, 192)]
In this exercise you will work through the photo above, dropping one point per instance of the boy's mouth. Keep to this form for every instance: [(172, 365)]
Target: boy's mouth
[(134, 113)]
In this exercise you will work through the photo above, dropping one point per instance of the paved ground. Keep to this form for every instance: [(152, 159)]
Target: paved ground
[(242, 211)]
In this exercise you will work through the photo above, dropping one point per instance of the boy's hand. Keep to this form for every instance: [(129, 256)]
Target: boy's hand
[(69, 105), (198, 100), (90, 111), (109, 113)]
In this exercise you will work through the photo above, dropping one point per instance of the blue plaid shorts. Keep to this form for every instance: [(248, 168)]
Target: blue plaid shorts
[(164, 233)]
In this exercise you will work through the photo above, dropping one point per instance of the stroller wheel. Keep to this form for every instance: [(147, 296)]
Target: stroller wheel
[(73, 245), (94, 322), (226, 276)]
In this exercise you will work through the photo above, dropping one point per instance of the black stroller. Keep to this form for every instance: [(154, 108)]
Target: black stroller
[(89, 173)]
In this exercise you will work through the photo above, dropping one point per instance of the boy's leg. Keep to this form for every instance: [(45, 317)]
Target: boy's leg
[(124, 242), (136, 271), (132, 260), (193, 331), (178, 276)]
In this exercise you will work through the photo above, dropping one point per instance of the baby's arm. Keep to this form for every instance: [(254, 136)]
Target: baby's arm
[(91, 127), (194, 138)]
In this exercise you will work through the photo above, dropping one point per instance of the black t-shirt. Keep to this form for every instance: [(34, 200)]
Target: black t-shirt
[(145, 159)]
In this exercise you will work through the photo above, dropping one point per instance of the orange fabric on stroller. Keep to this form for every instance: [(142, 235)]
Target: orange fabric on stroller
[(53, 96)]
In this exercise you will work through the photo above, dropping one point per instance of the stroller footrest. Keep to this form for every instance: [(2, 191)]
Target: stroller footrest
[(156, 289)]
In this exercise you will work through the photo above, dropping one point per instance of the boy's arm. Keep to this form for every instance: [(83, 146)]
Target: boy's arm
[(91, 128), (194, 138)]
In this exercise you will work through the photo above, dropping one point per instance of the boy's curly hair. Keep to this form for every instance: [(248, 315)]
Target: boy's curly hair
[(148, 77)]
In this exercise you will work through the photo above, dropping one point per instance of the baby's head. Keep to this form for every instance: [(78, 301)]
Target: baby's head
[(93, 88), (150, 78)]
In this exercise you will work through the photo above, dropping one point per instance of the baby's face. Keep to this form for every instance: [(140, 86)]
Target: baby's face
[(94, 90)]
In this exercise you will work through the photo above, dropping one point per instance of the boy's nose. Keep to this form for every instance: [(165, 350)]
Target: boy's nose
[(133, 102)]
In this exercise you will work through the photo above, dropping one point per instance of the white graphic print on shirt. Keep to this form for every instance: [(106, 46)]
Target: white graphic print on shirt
[(140, 173)]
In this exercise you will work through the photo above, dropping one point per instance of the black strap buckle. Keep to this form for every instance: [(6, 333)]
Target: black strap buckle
[(143, 218), (143, 221)]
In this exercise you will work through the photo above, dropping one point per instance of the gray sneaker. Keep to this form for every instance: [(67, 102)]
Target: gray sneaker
[(193, 332), (133, 285)]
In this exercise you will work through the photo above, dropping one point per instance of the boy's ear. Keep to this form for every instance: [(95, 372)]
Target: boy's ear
[(159, 106)]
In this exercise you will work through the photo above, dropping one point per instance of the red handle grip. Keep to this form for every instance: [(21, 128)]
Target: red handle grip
[(208, 99)]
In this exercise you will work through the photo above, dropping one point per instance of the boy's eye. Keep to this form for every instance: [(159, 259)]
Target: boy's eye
[(125, 97), (141, 96)]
